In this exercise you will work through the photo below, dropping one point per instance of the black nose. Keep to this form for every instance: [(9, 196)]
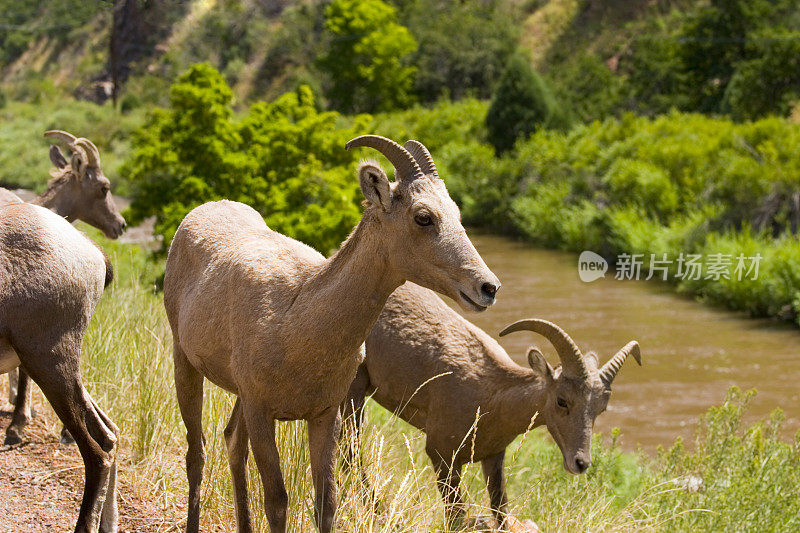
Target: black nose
[(489, 289), (581, 465)]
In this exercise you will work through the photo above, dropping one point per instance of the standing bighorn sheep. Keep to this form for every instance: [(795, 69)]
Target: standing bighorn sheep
[(274, 322), (441, 373), (51, 278), (78, 190)]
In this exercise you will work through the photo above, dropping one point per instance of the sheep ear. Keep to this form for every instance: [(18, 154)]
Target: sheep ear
[(538, 363), (57, 157), (375, 185)]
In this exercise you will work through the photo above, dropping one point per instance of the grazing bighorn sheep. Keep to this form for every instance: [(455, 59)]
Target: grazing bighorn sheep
[(271, 320), (77, 191), (51, 278), (439, 372)]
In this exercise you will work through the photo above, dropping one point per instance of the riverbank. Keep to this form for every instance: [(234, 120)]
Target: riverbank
[(733, 476)]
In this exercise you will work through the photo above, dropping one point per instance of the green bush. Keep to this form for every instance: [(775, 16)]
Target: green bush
[(522, 104), (367, 57), (285, 159)]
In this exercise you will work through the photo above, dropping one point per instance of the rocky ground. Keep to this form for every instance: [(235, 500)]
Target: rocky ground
[(41, 483)]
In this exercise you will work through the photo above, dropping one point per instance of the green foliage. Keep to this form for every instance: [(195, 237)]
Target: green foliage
[(463, 46), (522, 104), (770, 81), (742, 478), (366, 61), (24, 22), (284, 158), (588, 88)]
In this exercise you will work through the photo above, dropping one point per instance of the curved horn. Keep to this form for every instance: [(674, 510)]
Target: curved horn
[(568, 351), (92, 153), (610, 369), (61, 136), (407, 168), (423, 157)]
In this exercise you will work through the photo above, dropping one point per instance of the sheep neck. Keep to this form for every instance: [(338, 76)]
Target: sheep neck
[(345, 296), (54, 200), (520, 400)]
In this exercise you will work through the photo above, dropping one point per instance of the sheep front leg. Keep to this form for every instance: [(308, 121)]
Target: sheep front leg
[(448, 481), (261, 427), (323, 432), (496, 484)]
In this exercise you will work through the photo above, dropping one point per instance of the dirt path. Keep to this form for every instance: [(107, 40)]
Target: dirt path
[(41, 482)]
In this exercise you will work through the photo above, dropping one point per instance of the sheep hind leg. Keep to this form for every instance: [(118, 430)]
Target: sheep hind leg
[(236, 442), (94, 434), (261, 428), (15, 432), (322, 442), (189, 389)]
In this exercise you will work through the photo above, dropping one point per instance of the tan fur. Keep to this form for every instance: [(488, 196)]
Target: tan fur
[(273, 321), (441, 373), (51, 278)]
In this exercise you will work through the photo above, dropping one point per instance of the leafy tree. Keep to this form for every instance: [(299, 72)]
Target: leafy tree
[(367, 57), (283, 158), (522, 104), (770, 81), (463, 48), (717, 39)]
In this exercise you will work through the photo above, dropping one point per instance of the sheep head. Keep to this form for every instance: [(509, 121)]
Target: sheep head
[(421, 224), (87, 196), (575, 392)]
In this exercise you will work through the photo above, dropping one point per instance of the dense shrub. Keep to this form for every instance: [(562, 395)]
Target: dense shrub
[(284, 158), (463, 46), (522, 104)]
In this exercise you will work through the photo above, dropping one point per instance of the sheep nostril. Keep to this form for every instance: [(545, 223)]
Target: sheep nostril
[(489, 290), (581, 465)]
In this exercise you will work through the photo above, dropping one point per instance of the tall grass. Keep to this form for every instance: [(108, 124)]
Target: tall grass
[(128, 369)]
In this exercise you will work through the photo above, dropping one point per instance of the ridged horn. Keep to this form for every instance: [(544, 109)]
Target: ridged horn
[(92, 153), (422, 156), (62, 136), (406, 167), (568, 351), (610, 369)]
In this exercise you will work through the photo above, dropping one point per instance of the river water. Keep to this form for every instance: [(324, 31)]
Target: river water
[(691, 352)]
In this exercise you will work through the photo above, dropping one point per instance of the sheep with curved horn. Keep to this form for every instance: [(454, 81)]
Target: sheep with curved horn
[(77, 191), (439, 372), (274, 322)]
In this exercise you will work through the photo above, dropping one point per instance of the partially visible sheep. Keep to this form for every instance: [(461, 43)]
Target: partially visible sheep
[(78, 190), (274, 322), (441, 373), (51, 278)]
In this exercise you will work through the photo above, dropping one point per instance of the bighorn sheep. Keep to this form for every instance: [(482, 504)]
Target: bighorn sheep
[(439, 372), (273, 321), (51, 278), (77, 191)]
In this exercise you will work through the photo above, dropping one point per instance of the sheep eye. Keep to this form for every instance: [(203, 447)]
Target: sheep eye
[(561, 402), (104, 189), (423, 220)]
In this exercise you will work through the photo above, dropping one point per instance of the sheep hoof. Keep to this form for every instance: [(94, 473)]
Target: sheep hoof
[(13, 436), (66, 438)]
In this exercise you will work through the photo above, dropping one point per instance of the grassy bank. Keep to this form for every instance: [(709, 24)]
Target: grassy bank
[(733, 479)]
